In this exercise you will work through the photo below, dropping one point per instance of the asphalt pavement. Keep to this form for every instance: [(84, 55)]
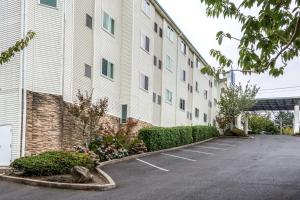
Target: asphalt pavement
[(267, 167)]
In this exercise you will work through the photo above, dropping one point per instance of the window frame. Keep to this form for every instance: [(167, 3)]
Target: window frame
[(110, 24), (144, 82), (144, 3), (124, 118), (183, 75), (169, 63), (169, 93), (49, 6), (197, 113), (110, 69), (183, 48), (170, 33), (144, 39), (182, 104)]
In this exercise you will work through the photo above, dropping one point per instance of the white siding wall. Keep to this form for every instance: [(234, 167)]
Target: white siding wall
[(45, 57), (109, 47), (10, 76), (141, 100), (83, 47)]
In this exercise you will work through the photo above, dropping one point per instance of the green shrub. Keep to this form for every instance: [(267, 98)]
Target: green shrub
[(52, 163), (204, 132), (157, 138)]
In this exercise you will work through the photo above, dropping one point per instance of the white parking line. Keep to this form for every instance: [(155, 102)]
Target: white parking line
[(223, 144), (217, 148), (152, 165), (178, 157), (201, 152)]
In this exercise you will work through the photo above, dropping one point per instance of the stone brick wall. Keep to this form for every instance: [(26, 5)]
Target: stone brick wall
[(49, 125)]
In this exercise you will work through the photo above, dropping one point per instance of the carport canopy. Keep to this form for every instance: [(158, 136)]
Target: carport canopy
[(276, 104), (280, 104)]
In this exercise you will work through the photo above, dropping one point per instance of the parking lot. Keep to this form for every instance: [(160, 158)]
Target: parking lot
[(267, 167)]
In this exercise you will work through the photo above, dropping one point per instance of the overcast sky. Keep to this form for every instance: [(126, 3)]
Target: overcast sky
[(191, 18)]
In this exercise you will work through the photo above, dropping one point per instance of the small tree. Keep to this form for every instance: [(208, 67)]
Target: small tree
[(236, 101), (88, 114), (286, 118), (5, 56)]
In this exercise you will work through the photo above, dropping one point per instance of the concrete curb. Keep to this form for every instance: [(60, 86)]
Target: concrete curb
[(150, 153), (27, 181), (240, 137)]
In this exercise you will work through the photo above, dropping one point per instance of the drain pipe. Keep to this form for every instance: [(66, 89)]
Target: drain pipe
[(23, 84)]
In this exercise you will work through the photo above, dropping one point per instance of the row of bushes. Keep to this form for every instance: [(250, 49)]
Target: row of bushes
[(52, 163), (157, 138)]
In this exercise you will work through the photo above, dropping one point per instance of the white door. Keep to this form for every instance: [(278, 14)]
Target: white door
[(5, 145)]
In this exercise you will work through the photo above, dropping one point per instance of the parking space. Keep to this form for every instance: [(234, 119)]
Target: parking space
[(266, 167)]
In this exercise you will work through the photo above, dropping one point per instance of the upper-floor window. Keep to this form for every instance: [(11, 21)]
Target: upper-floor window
[(210, 104), (197, 86), (205, 117), (89, 21), (107, 69), (144, 82), (170, 33), (154, 60), (52, 3), (155, 27), (215, 102), (183, 48), (146, 7), (169, 63), (158, 99), (183, 75), (182, 104), (154, 97), (160, 32), (159, 64), (145, 42), (205, 94), (197, 112), (88, 71), (108, 23), (169, 96)]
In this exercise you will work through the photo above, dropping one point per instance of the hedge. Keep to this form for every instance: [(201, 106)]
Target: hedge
[(157, 138), (204, 132), (51, 163)]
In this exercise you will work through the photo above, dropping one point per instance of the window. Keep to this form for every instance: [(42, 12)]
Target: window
[(189, 61), (160, 32), (89, 21), (183, 48), (155, 27), (87, 71), (159, 64), (215, 83), (196, 112), (107, 69), (170, 34), (146, 7), (124, 114), (210, 104), (145, 42), (155, 60), (197, 86), (191, 89), (210, 83), (205, 94), (191, 116), (183, 75), (169, 63), (158, 99), (169, 96), (215, 102), (198, 64), (144, 82), (182, 104), (188, 115), (192, 64), (205, 117), (108, 23), (52, 3), (154, 97)]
